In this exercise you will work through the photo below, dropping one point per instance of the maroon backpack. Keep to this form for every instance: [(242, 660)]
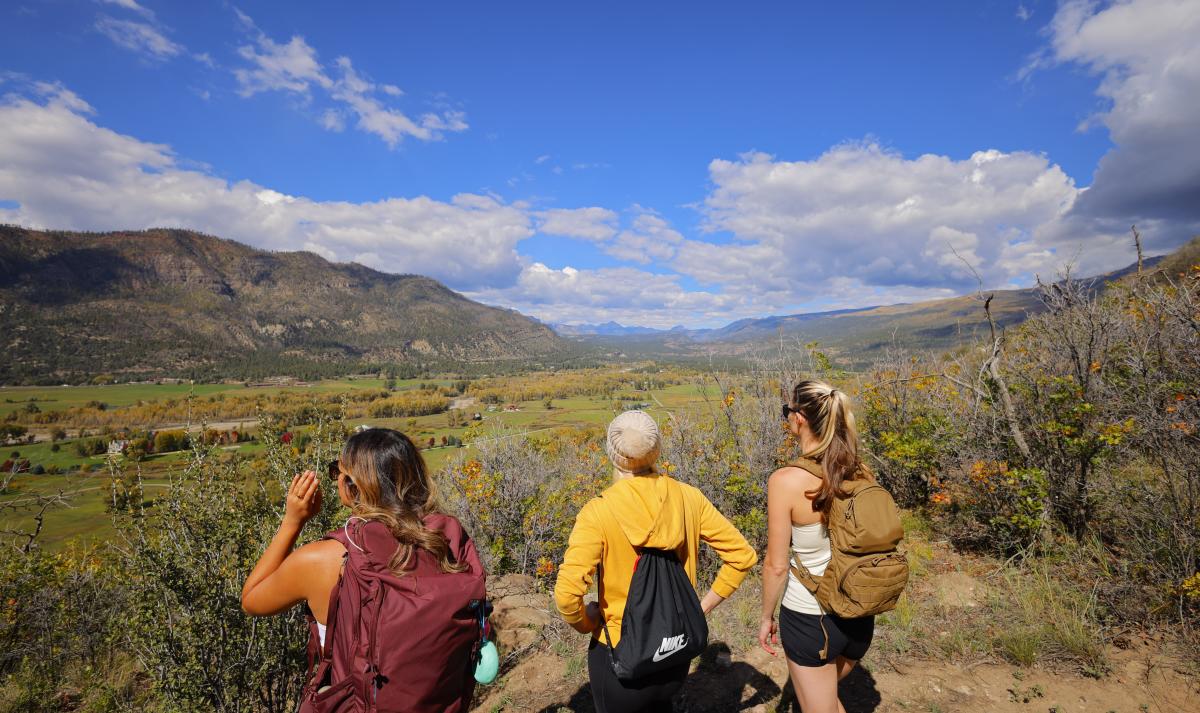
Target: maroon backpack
[(397, 643)]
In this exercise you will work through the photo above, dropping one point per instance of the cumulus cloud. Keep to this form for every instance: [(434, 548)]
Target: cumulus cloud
[(1147, 56), (866, 213), (594, 224), (623, 294), (294, 67), (58, 169), (650, 239), (140, 37)]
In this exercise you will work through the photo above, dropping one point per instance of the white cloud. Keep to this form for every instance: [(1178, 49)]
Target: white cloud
[(64, 171), (294, 67), (291, 67), (131, 5), (139, 37), (594, 224), (1023, 13), (375, 118), (332, 120), (1148, 58), (866, 213), (649, 240), (623, 294)]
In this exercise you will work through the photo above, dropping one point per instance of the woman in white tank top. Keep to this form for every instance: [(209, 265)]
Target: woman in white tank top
[(821, 648), (811, 545)]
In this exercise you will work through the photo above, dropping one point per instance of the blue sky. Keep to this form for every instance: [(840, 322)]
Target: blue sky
[(679, 163)]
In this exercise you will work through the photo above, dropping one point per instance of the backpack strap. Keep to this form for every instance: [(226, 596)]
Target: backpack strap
[(325, 651), (802, 574), (324, 660), (600, 596), (810, 465), (799, 571)]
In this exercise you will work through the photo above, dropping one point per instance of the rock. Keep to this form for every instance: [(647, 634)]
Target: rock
[(519, 613), (513, 601), (511, 584)]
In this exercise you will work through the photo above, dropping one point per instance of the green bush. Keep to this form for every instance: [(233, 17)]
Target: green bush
[(184, 562)]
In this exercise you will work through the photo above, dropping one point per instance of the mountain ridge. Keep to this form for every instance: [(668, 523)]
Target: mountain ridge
[(167, 301), (857, 335)]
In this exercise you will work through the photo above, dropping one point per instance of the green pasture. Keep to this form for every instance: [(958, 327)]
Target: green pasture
[(86, 521), (59, 398)]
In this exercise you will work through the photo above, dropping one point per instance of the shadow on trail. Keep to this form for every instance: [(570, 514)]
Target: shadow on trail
[(719, 685)]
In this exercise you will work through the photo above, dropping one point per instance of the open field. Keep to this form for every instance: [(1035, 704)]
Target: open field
[(85, 521), (46, 398)]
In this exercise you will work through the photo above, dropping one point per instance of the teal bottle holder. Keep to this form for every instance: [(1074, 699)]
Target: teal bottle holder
[(489, 663)]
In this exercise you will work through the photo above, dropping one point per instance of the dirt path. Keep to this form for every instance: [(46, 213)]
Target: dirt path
[(755, 681)]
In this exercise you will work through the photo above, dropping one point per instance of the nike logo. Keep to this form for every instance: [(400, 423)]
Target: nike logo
[(670, 645)]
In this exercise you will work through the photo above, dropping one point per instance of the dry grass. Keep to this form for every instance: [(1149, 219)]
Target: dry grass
[(1026, 614)]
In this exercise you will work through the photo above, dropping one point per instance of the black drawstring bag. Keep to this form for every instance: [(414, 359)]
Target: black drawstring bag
[(663, 625)]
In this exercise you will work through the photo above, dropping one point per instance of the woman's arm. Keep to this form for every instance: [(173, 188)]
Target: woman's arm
[(782, 492), (584, 549), (278, 581), (737, 556)]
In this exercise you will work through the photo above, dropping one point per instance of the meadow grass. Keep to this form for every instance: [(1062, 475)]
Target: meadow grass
[(85, 518)]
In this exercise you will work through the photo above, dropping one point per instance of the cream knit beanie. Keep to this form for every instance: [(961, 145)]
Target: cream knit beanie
[(633, 442)]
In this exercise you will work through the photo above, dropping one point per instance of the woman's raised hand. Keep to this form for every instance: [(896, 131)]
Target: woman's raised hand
[(303, 498)]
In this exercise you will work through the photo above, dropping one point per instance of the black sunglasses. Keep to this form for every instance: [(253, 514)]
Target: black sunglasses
[(788, 410)]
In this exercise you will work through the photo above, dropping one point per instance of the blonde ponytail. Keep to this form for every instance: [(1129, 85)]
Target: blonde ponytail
[(828, 413)]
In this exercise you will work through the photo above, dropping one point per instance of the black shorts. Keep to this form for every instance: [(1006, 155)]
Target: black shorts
[(612, 695), (803, 637)]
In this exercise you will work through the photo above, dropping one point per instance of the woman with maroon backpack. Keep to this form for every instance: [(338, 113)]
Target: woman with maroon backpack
[(396, 596)]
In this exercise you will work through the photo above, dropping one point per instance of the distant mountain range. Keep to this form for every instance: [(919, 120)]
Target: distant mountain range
[(854, 336), (170, 302)]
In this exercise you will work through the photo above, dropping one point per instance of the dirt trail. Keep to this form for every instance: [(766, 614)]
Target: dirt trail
[(755, 681), (546, 672)]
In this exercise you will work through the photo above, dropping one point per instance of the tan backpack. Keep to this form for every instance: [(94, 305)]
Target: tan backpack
[(866, 573)]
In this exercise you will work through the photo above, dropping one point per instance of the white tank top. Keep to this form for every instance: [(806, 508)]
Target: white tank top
[(811, 545)]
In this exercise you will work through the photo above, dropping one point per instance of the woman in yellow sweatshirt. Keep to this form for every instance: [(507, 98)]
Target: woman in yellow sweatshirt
[(642, 508)]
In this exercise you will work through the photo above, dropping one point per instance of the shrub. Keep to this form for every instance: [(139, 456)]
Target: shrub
[(518, 497), (189, 555)]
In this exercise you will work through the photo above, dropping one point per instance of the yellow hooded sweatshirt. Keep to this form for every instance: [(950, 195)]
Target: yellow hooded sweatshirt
[(652, 511)]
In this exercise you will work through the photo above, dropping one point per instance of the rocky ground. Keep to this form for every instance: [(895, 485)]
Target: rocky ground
[(545, 671)]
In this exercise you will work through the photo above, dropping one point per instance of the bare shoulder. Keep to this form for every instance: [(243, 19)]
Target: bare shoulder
[(792, 478), (320, 555)]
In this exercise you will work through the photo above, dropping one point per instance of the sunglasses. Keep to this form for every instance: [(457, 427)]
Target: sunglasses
[(787, 411), (334, 469)]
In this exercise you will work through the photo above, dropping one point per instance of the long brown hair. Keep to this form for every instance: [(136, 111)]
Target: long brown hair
[(828, 413), (389, 483)]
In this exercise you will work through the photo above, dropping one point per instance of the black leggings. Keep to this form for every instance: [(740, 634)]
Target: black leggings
[(611, 695)]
